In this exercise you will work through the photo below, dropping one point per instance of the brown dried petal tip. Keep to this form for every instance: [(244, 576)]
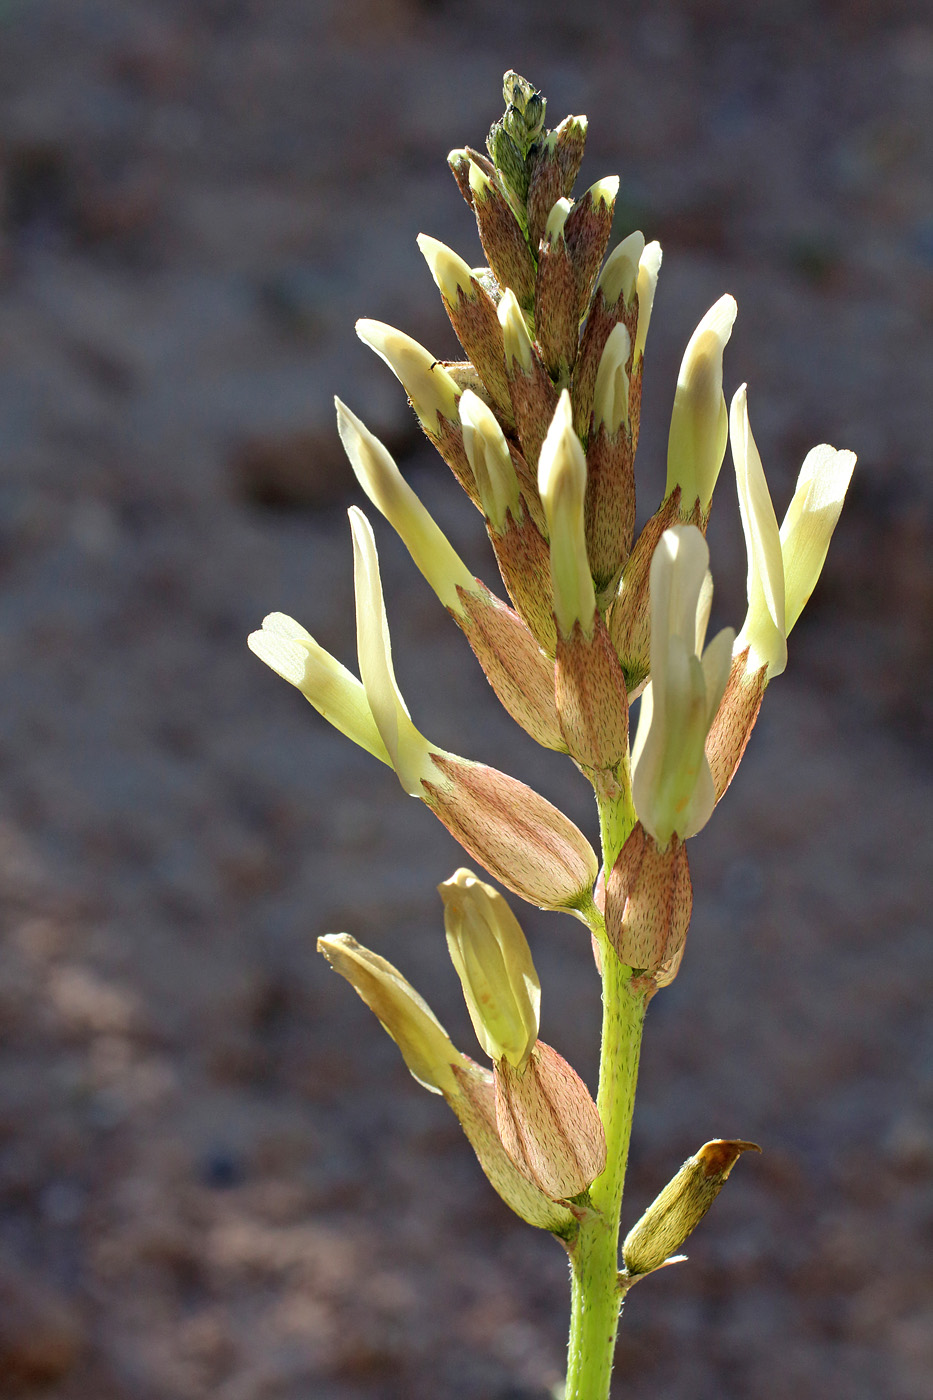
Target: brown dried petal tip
[(680, 1207)]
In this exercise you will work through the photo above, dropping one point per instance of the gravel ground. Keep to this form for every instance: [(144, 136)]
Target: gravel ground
[(216, 1177)]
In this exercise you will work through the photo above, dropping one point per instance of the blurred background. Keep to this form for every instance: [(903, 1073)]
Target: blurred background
[(216, 1177)]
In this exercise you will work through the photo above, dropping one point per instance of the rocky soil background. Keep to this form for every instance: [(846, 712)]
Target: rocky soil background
[(216, 1177)]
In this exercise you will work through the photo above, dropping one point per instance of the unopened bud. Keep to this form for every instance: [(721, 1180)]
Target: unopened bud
[(675, 1214), (428, 385), (620, 273), (569, 142), (591, 699), (699, 422), (553, 163), (475, 1106), (735, 719), (523, 840), (490, 461), (452, 275), (556, 220), (519, 672), (587, 231), (649, 265), (388, 490), (630, 614), (472, 313), (649, 899), (506, 145), (515, 332), (426, 1047), (611, 400), (493, 961), (533, 395), (549, 1124), (562, 486), (504, 243)]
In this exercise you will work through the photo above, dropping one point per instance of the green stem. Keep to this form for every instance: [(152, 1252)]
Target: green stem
[(616, 812), (595, 1294)]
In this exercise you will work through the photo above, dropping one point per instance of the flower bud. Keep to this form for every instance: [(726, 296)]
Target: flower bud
[(562, 486), (649, 900), (586, 233), (452, 275), (503, 241), (554, 164), (428, 385), (388, 490), (613, 302), (472, 313), (519, 672), (591, 699), (475, 1106), (611, 399), (490, 461), (620, 271), (524, 558), (629, 618), (519, 93), (425, 1045), (549, 1125), (700, 422), (534, 397), (649, 265), (675, 1214), (523, 840), (671, 782), (557, 313), (504, 143), (459, 162), (440, 1067), (494, 964), (518, 348)]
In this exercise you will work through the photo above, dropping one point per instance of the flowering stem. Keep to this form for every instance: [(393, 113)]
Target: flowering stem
[(595, 1294), (616, 810)]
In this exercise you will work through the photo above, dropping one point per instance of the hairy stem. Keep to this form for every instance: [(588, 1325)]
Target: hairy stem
[(596, 1297), (595, 1294)]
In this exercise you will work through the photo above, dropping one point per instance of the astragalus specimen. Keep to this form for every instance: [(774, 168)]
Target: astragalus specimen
[(539, 425)]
